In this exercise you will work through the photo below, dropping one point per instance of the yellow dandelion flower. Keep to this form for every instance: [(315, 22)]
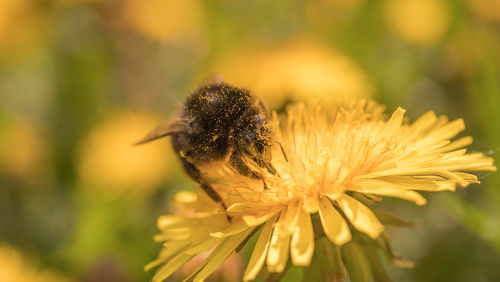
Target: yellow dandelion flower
[(420, 22), (16, 267), (166, 20), (332, 157), (107, 158), (294, 71)]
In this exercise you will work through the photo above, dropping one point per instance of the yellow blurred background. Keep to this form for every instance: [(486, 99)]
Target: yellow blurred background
[(81, 80)]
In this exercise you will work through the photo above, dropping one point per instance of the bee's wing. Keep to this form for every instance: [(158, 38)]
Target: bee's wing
[(164, 129)]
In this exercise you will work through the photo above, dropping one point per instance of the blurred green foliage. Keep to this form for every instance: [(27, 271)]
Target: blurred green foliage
[(67, 67)]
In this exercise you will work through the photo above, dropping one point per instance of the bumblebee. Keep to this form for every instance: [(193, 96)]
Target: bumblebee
[(219, 122)]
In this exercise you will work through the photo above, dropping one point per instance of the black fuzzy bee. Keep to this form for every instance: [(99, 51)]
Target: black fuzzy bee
[(215, 122)]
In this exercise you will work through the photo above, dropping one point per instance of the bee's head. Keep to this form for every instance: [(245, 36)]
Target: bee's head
[(255, 137)]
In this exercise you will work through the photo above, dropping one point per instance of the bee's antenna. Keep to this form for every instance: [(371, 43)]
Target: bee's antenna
[(165, 129), (151, 137), (282, 151)]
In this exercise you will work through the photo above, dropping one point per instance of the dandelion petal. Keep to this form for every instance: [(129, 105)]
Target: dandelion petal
[(277, 256), (204, 245), (252, 220), (232, 229), (361, 217), (394, 122), (220, 254), (302, 245), (383, 188), (165, 255), (260, 251), (333, 223), (171, 266)]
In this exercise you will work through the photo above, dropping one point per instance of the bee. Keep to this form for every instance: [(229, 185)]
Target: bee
[(219, 122)]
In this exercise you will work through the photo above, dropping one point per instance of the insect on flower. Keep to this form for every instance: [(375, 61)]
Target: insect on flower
[(219, 122)]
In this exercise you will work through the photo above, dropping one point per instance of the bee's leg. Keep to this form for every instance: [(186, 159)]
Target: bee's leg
[(213, 194), (236, 162), (195, 174), (267, 165)]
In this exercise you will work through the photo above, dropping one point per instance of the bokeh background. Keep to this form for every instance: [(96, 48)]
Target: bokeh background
[(81, 80)]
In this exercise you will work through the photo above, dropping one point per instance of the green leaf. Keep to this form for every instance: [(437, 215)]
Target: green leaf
[(383, 243), (313, 271), (330, 261), (376, 265), (390, 219), (357, 263)]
